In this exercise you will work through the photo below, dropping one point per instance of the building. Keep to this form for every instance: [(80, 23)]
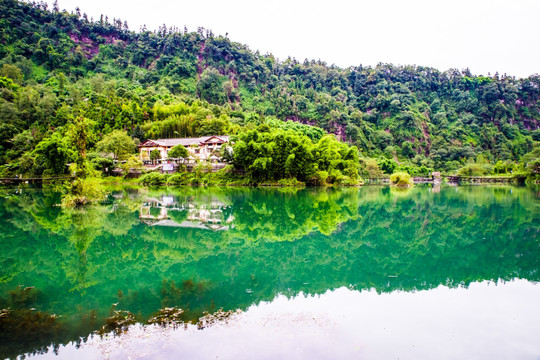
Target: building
[(201, 148), (212, 215)]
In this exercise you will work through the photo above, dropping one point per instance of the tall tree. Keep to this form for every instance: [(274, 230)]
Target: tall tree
[(118, 143)]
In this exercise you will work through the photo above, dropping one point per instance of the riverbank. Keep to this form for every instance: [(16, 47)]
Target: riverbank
[(172, 180), (232, 179), (225, 177)]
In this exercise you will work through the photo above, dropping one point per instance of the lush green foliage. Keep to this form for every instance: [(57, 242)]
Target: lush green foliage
[(178, 151), (53, 154), (401, 179), (153, 178), (133, 163), (278, 154), (474, 170), (531, 163), (117, 143), (155, 155), (201, 175), (83, 191), (57, 67)]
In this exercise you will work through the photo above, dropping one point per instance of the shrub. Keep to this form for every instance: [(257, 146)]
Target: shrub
[(504, 167), (293, 182), (335, 176), (84, 191), (133, 163), (401, 179), (414, 170), (475, 170), (153, 178), (319, 178), (226, 174), (178, 179), (387, 165), (370, 168), (348, 181)]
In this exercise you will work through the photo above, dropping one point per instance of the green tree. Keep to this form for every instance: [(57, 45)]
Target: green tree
[(155, 155), (53, 153), (81, 135), (138, 133), (12, 72), (210, 86), (531, 162), (178, 151), (101, 163), (214, 126), (132, 163), (370, 168), (388, 165), (118, 143), (407, 149), (278, 154)]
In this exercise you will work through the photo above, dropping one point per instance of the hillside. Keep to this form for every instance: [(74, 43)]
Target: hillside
[(56, 67)]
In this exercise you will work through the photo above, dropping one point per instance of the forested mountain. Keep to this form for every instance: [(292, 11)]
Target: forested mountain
[(57, 67)]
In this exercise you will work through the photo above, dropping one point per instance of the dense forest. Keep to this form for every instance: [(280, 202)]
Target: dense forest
[(68, 82)]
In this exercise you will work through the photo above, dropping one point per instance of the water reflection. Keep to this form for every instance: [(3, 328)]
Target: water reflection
[(171, 211), (231, 248), (486, 320)]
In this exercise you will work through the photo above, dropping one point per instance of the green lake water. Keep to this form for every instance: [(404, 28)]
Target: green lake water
[(351, 259)]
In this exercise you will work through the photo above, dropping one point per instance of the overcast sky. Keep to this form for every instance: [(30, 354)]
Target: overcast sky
[(486, 36)]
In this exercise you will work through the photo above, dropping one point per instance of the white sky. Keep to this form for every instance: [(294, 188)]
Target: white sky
[(486, 36)]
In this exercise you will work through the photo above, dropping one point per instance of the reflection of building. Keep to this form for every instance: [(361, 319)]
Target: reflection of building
[(202, 148), (166, 212)]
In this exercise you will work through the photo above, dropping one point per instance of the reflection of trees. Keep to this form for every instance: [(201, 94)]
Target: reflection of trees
[(308, 240), (259, 215), (23, 328), (270, 215)]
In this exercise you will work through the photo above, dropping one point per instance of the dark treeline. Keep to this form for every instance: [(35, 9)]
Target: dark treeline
[(56, 67)]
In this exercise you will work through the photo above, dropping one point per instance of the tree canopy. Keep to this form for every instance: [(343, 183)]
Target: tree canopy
[(178, 151), (117, 143)]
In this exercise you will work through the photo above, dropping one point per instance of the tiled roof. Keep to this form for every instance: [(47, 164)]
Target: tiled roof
[(182, 141)]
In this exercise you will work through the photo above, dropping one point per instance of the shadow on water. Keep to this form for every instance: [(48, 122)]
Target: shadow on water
[(173, 257)]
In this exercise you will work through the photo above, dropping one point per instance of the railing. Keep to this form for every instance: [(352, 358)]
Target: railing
[(214, 167), (416, 180), (376, 180), (33, 180), (481, 179)]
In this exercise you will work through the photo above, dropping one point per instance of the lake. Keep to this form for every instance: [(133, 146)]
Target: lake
[(370, 272)]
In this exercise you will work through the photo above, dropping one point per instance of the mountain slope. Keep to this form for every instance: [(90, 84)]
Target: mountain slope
[(57, 65)]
